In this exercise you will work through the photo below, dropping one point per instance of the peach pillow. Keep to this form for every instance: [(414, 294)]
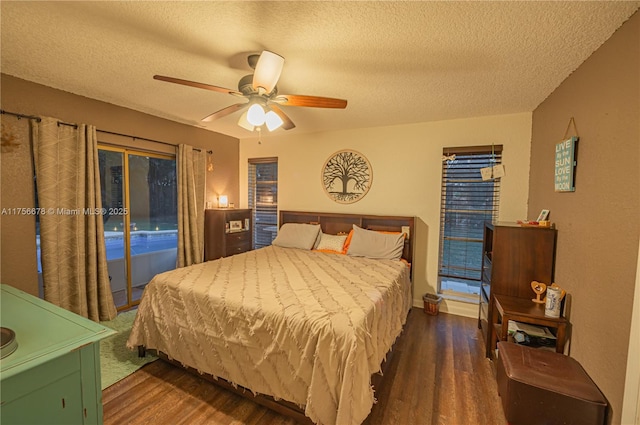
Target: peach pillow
[(329, 251), (347, 242)]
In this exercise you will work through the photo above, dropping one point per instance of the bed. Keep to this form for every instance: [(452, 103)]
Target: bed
[(306, 328)]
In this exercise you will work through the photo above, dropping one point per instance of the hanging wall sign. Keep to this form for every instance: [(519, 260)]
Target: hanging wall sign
[(346, 176), (566, 165)]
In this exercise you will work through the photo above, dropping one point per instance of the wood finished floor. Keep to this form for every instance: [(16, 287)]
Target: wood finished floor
[(438, 375)]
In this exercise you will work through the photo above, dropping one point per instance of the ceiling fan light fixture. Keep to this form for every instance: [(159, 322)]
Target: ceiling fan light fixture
[(244, 122), (273, 121), (268, 70), (256, 115), (263, 100)]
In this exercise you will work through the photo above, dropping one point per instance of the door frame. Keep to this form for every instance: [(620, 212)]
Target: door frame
[(126, 196)]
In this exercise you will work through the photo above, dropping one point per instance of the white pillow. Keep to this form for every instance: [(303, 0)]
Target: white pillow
[(332, 242), (297, 235), (372, 244)]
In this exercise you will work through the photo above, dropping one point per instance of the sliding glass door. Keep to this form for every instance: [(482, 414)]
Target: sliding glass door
[(141, 229)]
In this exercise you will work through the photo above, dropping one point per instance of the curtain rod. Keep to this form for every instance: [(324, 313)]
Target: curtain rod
[(38, 119), (32, 117), (148, 140)]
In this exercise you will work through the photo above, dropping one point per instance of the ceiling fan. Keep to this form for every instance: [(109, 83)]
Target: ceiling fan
[(262, 93)]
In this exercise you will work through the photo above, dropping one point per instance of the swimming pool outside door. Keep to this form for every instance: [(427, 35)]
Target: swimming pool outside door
[(142, 233)]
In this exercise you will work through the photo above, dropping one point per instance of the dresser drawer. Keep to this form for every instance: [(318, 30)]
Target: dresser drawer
[(237, 238), (237, 249), (237, 242)]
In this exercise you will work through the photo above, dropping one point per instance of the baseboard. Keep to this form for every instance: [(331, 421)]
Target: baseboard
[(459, 308)]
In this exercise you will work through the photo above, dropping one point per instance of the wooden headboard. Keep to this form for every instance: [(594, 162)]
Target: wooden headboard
[(334, 223)]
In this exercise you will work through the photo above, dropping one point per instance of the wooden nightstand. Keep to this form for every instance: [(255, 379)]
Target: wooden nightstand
[(513, 257), (526, 311), (227, 231)]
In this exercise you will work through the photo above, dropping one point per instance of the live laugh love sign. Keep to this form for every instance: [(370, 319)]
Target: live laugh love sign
[(565, 161), (566, 165)]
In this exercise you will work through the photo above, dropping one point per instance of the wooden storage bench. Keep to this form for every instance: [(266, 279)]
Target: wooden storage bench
[(543, 387)]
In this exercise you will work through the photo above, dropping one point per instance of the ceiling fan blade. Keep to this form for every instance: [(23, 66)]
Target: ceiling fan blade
[(225, 111), (309, 101), (196, 85), (268, 71), (287, 124)]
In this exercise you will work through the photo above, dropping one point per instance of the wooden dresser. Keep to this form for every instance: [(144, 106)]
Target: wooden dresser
[(227, 231), (513, 256), (53, 376)]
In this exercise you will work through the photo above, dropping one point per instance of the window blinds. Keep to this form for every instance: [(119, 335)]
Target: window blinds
[(467, 201), (263, 199)]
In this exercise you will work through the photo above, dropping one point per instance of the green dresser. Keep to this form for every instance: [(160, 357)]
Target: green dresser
[(53, 377)]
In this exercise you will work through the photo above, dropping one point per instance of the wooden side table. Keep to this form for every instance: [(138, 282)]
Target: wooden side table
[(526, 311), (227, 231)]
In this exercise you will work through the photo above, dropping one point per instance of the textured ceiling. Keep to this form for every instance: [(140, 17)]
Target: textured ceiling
[(395, 62)]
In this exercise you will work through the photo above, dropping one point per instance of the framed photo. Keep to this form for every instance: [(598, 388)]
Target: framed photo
[(235, 225), (543, 215)]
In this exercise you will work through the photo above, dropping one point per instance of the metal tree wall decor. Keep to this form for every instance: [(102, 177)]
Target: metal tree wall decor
[(346, 176)]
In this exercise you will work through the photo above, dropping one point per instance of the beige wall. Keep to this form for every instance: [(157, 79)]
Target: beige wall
[(17, 250), (598, 223), (406, 163)]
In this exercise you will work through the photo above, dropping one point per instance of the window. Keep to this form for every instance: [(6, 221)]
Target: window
[(467, 201), (263, 199)]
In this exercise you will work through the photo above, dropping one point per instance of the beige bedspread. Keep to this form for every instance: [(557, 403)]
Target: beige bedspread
[(302, 326)]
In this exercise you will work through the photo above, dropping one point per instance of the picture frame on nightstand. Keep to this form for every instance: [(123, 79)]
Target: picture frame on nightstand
[(543, 215)]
